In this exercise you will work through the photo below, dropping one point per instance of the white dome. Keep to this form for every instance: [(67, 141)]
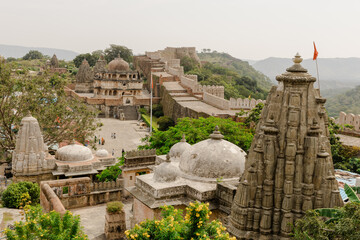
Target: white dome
[(102, 153), (213, 158), (178, 149), (73, 153), (165, 172)]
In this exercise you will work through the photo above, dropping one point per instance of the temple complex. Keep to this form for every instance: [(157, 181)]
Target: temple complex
[(189, 173), (84, 78), (30, 159), (32, 162), (289, 169)]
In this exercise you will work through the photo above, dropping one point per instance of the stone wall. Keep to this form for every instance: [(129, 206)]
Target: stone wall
[(245, 103), (216, 101), (115, 225), (174, 110), (349, 118), (64, 194)]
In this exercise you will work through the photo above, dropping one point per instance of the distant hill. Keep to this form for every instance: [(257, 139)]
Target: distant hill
[(243, 68), (19, 51), (347, 102), (334, 72)]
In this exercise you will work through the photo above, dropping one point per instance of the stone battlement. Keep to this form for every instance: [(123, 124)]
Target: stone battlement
[(140, 153), (349, 118)]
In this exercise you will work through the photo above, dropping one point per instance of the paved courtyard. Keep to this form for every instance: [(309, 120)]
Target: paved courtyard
[(349, 140), (128, 135)]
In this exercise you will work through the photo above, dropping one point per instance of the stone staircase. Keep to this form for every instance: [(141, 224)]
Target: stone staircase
[(130, 112)]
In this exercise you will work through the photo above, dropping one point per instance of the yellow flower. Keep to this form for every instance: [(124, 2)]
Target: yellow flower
[(197, 215)]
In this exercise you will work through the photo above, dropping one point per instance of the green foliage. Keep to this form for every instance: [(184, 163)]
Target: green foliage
[(111, 173), (115, 50), (88, 56), (173, 226), (197, 130), (11, 59), (157, 110), (61, 117), (165, 122), (235, 85), (33, 54), (189, 64), (16, 193), (254, 115), (349, 126), (240, 67), (345, 102), (351, 194), (345, 225), (39, 225), (114, 207)]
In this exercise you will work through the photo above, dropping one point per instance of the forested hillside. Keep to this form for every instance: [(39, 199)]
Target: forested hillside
[(243, 68), (347, 102)]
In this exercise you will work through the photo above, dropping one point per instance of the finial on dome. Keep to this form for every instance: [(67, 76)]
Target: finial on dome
[(167, 157), (297, 58), (183, 138), (72, 142), (28, 114), (216, 135)]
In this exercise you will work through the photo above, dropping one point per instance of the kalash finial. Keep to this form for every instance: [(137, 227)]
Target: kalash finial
[(167, 158), (216, 135), (297, 59), (28, 113), (183, 138)]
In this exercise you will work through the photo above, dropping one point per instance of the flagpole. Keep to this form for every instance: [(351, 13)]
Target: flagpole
[(151, 93), (317, 71)]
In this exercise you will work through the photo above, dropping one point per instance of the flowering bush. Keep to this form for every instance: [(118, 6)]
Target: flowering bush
[(51, 225), (15, 193), (195, 226)]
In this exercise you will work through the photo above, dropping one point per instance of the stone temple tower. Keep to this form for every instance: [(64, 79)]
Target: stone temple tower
[(289, 168), (30, 160)]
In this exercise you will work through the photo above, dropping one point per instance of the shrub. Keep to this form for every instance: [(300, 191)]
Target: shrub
[(14, 195), (39, 225), (114, 207), (165, 122), (157, 110), (196, 225), (111, 173)]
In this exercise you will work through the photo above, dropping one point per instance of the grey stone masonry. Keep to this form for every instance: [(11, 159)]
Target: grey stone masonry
[(289, 168)]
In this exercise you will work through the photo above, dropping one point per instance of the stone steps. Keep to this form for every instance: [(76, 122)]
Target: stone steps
[(130, 112)]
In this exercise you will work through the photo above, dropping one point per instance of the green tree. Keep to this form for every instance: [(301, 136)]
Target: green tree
[(157, 110), (61, 117), (33, 54), (197, 130), (345, 226), (188, 63), (165, 122), (39, 225), (115, 50), (173, 225), (89, 57), (111, 173), (14, 194)]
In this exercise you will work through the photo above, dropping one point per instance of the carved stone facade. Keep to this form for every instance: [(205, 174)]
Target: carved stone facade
[(289, 168), (30, 160), (84, 78)]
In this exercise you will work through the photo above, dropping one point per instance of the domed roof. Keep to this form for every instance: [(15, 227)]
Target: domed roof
[(73, 153), (166, 171), (118, 64), (102, 153), (213, 158), (178, 149)]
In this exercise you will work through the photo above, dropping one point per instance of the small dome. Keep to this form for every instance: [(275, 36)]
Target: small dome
[(118, 64), (73, 153), (213, 158), (102, 153), (166, 171), (178, 149)]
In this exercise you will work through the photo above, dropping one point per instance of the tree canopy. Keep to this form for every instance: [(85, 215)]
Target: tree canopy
[(88, 56), (196, 130), (33, 54), (115, 50), (60, 117)]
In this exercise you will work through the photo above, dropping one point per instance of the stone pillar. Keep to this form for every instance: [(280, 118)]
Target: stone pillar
[(115, 225)]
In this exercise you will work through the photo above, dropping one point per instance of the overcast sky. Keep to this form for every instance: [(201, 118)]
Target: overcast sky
[(247, 29)]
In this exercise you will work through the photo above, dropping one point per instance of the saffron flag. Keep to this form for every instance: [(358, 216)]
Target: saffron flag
[(315, 52)]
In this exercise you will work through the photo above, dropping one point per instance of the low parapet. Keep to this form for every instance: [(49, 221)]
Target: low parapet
[(140, 153)]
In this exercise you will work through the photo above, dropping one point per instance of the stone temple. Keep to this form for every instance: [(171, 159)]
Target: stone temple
[(189, 173), (289, 169), (31, 160)]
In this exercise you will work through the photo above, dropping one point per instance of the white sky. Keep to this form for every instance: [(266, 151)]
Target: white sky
[(247, 29)]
